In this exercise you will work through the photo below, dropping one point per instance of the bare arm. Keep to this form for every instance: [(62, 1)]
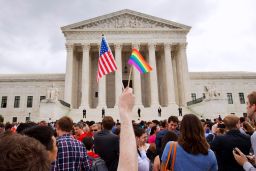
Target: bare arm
[(128, 160)]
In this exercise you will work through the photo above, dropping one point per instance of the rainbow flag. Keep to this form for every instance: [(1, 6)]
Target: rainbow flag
[(139, 62)]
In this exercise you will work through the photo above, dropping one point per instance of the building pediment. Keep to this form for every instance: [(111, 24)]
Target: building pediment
[(126, 19)]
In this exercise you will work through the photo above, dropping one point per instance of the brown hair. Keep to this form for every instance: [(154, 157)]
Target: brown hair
[(108, 122), (192, 137), (173, 119), (230, 121), (252, 98), (65, 124), (19, 152)]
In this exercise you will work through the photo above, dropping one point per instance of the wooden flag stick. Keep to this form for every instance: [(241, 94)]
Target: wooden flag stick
[(130, 76)]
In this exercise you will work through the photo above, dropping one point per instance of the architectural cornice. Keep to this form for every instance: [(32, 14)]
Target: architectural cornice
[(222, 75), (31, 77)]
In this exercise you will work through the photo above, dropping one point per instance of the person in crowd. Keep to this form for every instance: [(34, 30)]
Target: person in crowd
[(169, 136), (224, 145), (95, 128), (173, 123), (20, 152), (141, 137), (152, 137), (128, 154), (192, 149), (71, 154), (248, 129), (107, 144), (238, 154), (44, 134), (88, 143), (1, 127), (22, 126), (79, 132)]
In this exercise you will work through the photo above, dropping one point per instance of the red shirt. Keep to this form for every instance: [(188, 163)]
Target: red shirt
[(86, 134), (92, 154)]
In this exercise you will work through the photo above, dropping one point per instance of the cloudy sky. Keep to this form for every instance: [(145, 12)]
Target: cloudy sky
[(222, 37)]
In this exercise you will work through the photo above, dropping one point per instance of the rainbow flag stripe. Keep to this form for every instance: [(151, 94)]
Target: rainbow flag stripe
[(139, 62)]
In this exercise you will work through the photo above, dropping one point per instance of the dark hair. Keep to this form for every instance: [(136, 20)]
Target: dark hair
[(23, 126), (192, 137), (79, 125), (8, 125), (65, 124), (242, 119), (173, 119), (88, 143), (108, 122), (19, 152), (169, 136), (43, 134), (138, 131), (252, 98), (153, 130), (156, 122)]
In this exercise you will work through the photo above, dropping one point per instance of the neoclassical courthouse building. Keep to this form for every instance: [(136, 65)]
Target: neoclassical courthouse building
[(169, 86)]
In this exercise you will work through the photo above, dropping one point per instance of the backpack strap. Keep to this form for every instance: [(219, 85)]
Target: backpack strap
[(168, 158), (174, 155)]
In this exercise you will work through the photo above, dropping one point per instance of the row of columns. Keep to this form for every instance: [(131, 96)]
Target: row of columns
[(182, 73)]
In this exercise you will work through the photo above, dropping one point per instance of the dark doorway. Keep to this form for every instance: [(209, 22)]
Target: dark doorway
[(125, 83), (14, 119)]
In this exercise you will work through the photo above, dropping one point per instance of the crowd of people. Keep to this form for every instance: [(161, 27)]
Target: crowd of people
[(227, 144)]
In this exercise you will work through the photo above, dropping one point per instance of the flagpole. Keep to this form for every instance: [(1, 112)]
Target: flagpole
[(111, 52), (130, 76)]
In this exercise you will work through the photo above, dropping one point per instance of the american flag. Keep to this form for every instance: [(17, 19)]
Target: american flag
[(106, 63)]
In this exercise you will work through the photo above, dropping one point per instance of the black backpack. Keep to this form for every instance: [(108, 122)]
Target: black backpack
[(98, 164)]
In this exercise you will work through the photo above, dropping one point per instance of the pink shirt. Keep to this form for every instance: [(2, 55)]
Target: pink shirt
[(152, 138)]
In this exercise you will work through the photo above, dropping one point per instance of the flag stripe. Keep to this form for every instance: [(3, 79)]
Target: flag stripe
[(106, 63), (139, 62)]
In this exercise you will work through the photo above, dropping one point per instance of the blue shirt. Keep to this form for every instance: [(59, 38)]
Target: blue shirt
[(71, 155), (185, 161)]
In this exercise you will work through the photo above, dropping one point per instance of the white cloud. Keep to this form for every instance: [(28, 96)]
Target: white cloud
[(221, 39)]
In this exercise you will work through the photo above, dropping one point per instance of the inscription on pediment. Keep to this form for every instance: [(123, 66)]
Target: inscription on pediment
[(126, 21)]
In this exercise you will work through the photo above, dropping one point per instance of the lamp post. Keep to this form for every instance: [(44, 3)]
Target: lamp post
[(29, 116)]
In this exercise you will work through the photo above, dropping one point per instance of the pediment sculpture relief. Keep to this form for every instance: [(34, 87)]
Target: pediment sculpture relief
[(126, 21)]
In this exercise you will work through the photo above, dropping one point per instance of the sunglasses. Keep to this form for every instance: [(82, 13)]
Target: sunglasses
[(94, 130)]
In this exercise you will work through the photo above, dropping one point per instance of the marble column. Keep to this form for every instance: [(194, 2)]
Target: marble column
[(118, 73), (69, 74), (153, 75), (137, 83), (102, 90), (85, 77), (169, 74), (183, 75)]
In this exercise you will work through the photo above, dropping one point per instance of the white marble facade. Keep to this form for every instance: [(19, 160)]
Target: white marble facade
[(163, 44)]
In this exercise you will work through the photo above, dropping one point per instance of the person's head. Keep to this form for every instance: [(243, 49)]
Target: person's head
[(44, 134), (173, 123), (78, 128), (88, 143), (191, 133), (248, 127), (64, 125), (140, 135), (23, 126), (153, 130), (20, 152), (251, 105), (95, 128), (169, 136), (231, 122), (1, 127), (108, 122)]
